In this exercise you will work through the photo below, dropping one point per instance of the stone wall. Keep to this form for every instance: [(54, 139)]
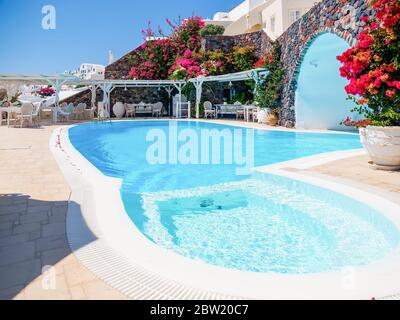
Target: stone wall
[(120, 68), (342, 18), (83, 97), (259, 39)]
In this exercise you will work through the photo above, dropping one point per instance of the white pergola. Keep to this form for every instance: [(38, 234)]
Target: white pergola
[(258, 75), (108, 86), (56, 81)]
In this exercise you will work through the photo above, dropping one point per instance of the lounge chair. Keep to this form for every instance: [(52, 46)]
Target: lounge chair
[(157, 109), (209, 110), (26, 114)]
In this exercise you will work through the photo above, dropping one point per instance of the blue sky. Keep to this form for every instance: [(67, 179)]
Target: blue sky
[(85, 30)]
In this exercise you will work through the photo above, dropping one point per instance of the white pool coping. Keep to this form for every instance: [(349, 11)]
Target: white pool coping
[(124, 258)]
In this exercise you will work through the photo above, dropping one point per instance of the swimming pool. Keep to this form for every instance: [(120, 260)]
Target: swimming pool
[(259, 223)]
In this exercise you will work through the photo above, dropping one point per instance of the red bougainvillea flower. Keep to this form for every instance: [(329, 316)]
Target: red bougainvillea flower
[(349, 122), (48, 91), (372, 65), (162, 57)]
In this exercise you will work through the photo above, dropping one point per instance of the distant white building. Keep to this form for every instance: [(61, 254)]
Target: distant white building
[(272, 16), (89, 71)]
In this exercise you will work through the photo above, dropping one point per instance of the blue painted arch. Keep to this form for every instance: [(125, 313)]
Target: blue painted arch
[(321, 101)]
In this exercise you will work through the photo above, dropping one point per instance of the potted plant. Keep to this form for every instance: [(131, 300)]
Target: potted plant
[(268, 93), (372, 66), (273, 117)]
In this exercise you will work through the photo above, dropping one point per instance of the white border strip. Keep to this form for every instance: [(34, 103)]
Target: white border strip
[(128, 261)]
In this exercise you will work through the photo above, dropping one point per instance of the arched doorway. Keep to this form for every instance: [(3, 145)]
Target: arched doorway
[(320, 96)]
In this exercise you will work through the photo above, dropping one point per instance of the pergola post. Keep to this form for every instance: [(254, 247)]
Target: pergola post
[(198, 84), (107, 89), (57, 84), (178, 86), (93, 90), (169, 91)]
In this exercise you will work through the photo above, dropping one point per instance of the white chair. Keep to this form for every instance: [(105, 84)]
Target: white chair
[(254, 114), (36, 113), (63, 106), (209, 110), (157, 109), (130, 110), (79, 111), (26, 114), (239, 110), (67, 113)]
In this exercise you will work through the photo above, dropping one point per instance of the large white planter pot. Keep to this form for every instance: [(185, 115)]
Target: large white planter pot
[(119, 110), (383, 145), (263, 115)]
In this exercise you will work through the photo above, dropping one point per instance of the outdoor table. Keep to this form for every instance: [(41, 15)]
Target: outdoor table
[(9, 111)]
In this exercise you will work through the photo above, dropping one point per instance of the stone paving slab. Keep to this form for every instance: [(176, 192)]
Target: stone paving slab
[(33, 204), (360, 171)]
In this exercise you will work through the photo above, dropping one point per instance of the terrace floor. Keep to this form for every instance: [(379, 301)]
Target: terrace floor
[(33, 203)]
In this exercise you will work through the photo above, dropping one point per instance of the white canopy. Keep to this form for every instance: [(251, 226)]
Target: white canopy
[(107, 86), (232, 77)]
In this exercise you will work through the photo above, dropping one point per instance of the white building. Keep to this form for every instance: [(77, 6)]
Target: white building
[(88, 71), (272, 16)]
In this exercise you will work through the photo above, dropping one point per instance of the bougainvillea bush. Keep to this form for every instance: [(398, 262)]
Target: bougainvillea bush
[(372, 67), (180, 56), (175, 57)]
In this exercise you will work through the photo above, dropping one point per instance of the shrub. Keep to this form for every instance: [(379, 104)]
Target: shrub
[(268, 94), (212, 30), (242, 58)]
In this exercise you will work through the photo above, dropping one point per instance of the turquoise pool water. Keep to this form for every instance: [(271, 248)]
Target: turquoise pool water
[(259, 223)]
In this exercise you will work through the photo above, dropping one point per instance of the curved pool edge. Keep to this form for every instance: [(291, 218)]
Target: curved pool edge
[(115, 236)]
